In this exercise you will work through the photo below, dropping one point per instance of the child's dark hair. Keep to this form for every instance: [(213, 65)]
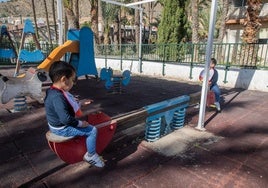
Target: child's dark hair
[(214, 61), (59, 69)]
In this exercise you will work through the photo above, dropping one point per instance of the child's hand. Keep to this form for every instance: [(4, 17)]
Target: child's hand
[(85, 123), (76, 97), (86, 101)]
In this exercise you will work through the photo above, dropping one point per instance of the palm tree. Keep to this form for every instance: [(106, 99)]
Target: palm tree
[(94, 19), (222, 30), (48, 28), (111, 14), (250, 33), (54, 19), (35, 21), (195, 21), (76, 8), (72, 19), (137, 25)]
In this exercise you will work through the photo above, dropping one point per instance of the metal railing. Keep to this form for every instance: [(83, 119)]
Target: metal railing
[(227, 54)]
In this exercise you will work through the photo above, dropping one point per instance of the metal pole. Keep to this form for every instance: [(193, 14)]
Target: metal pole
[(60, 27), (140, 2), (203, 102), (140, 42)]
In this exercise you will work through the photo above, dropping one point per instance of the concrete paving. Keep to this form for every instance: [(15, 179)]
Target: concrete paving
[(232, 152)]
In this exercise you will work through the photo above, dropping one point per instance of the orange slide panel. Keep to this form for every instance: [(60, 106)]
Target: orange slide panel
[(57, 53)]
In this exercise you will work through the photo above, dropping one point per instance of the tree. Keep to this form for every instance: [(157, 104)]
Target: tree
[(110, 14), (54, 19), (173, 24), (252, 22), (94, 19), (137, 25), (195, 21), (35, 21), (48, 28), (172, 28), (222, 30), (72, 19), (250, 33), (153, 21)]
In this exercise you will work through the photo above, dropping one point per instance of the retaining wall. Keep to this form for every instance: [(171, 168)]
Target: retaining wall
[(250, 79)]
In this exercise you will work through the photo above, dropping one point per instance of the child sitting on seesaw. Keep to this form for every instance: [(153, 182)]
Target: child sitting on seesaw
[(62, 108), (212, 82)]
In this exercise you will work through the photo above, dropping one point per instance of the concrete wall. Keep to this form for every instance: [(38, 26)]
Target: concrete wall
[(236, 78)]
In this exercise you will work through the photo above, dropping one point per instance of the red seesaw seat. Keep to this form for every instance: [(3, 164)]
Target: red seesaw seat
[(72, 149)]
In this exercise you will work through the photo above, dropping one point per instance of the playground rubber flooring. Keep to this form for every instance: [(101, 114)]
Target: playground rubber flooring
[(232, 152)]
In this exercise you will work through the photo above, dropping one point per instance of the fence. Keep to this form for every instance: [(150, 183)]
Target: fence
[(228, 55)]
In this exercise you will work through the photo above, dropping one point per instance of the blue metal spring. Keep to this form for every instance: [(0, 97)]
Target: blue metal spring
[(178, 118), (153, 128), (20, 103)]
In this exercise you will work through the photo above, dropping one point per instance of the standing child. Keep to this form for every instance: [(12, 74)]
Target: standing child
[(61, 109)]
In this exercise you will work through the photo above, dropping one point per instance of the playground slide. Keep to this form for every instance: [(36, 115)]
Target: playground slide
[(57, 53)]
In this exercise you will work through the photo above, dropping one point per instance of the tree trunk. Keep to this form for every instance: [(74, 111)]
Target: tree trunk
[(116, 32), (73, 21), (54, 20), (250, 34), (48, 29), (94, 19), (100, 23), (137, 26), (225, 8), (35, 21), (220, 50), (76, 9), (195, 21), (195, 28)]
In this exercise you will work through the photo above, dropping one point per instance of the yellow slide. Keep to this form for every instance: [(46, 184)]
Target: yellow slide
[(57, 53)]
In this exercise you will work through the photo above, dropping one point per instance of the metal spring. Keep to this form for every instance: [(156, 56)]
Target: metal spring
[(117, 87), (153, 128), (20, 103), (178, 118)]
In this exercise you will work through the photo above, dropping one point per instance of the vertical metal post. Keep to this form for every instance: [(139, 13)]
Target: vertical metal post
[(192, 46), (203, 102), (227, 64), (140, 42)]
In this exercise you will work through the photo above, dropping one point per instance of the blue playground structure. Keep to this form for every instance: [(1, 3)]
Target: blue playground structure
[(84, 61), (7, 50), (25, 55)]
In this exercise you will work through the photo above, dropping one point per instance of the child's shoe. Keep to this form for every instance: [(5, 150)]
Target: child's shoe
[(218, 106), (94, 160)]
